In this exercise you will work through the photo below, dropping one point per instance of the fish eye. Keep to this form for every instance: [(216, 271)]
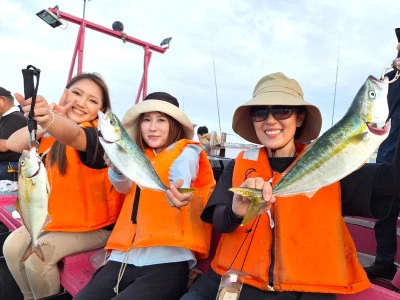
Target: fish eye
[(22, 162), (372, 94), (112, 122)]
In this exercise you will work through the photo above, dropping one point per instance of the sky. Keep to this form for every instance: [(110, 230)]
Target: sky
[(218, 52)]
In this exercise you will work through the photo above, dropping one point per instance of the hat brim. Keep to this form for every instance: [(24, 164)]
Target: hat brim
[(244, 127), (131, 117)]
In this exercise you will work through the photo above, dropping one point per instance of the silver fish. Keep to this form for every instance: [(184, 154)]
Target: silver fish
[(342, 149), (32, 200), (126, 156)]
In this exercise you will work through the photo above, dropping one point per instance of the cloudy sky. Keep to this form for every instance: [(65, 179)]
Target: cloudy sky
[(245, 40)]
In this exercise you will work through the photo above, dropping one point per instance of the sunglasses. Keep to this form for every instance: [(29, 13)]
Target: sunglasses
[(259, 114)]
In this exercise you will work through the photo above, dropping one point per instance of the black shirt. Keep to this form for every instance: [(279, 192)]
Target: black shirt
[(8, 125)]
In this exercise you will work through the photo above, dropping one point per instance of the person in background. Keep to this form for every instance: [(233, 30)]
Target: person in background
[(11, 120), (83, 205), (297, 247), (204, 138), (153, 244), (386, 228)]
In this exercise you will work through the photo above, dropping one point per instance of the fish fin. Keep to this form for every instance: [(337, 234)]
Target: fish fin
[(46, 221), (358, 137), (27, 253), (121, 148), (186, 190), (254, 209), (306, 148), (32, 249), (257, 201), (310, 194), (17, 207)]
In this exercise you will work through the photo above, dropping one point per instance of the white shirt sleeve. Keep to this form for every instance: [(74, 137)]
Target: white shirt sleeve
[(186, 165), (120, 182)]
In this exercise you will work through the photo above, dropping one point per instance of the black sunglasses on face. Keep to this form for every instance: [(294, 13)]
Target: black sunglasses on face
[(278, 112)]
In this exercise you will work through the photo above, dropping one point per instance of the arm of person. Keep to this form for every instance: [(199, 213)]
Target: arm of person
[(15, 122), (182, 172), (218, 210), (3, 145), (122, 184), (62, 129)]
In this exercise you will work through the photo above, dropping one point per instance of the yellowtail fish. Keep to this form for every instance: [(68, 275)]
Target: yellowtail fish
[(32, 200), (342, 149), (126, 156)]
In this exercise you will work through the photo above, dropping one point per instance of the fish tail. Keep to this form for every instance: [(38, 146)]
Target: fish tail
[(186, 190), (33, 249)]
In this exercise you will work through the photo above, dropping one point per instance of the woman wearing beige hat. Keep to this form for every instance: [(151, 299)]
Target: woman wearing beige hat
[(153, 244), (299, 247)]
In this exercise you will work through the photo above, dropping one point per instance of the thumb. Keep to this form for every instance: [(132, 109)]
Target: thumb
[(178, 183), (20, 99), (63, 99)]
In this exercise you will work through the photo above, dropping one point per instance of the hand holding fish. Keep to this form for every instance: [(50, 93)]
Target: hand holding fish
[(175, 198), (241, 204)]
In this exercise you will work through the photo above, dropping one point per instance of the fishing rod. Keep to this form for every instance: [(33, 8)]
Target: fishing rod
[(337, 72), (216, 95)]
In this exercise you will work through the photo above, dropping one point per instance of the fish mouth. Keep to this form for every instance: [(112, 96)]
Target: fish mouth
[(375, 129), (381, 84)]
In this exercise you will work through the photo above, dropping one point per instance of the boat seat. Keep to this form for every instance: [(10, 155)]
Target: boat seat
[(76, 270), (362, 232), (8, 220)]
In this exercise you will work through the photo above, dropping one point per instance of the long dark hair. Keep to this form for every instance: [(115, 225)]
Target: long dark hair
[(57, 155)]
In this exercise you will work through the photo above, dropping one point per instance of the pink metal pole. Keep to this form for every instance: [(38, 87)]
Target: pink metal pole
[(147, 57), (108, 31), (71, 69), (79, 47)]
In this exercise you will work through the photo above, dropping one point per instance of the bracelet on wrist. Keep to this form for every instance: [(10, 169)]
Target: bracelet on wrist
[(43, 130)]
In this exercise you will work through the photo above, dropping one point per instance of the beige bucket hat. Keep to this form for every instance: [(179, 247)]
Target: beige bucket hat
[(158, 101), (277, 89)]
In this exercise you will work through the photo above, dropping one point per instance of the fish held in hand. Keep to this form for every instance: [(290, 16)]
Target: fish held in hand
[(342, 149), (126, 156), (32, 200)]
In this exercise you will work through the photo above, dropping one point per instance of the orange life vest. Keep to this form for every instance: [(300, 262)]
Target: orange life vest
[(313, 250), (159, 224), (83, 199)]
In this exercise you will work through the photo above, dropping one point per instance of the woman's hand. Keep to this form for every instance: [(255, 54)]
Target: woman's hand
[(63, 106), (240, 204), (42, 113), (175, 198)]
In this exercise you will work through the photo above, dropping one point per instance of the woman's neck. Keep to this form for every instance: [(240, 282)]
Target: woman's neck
[(283, 152)]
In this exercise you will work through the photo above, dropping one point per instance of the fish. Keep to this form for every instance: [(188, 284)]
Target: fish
[(126, 155), (338, 152), (32, 199)]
